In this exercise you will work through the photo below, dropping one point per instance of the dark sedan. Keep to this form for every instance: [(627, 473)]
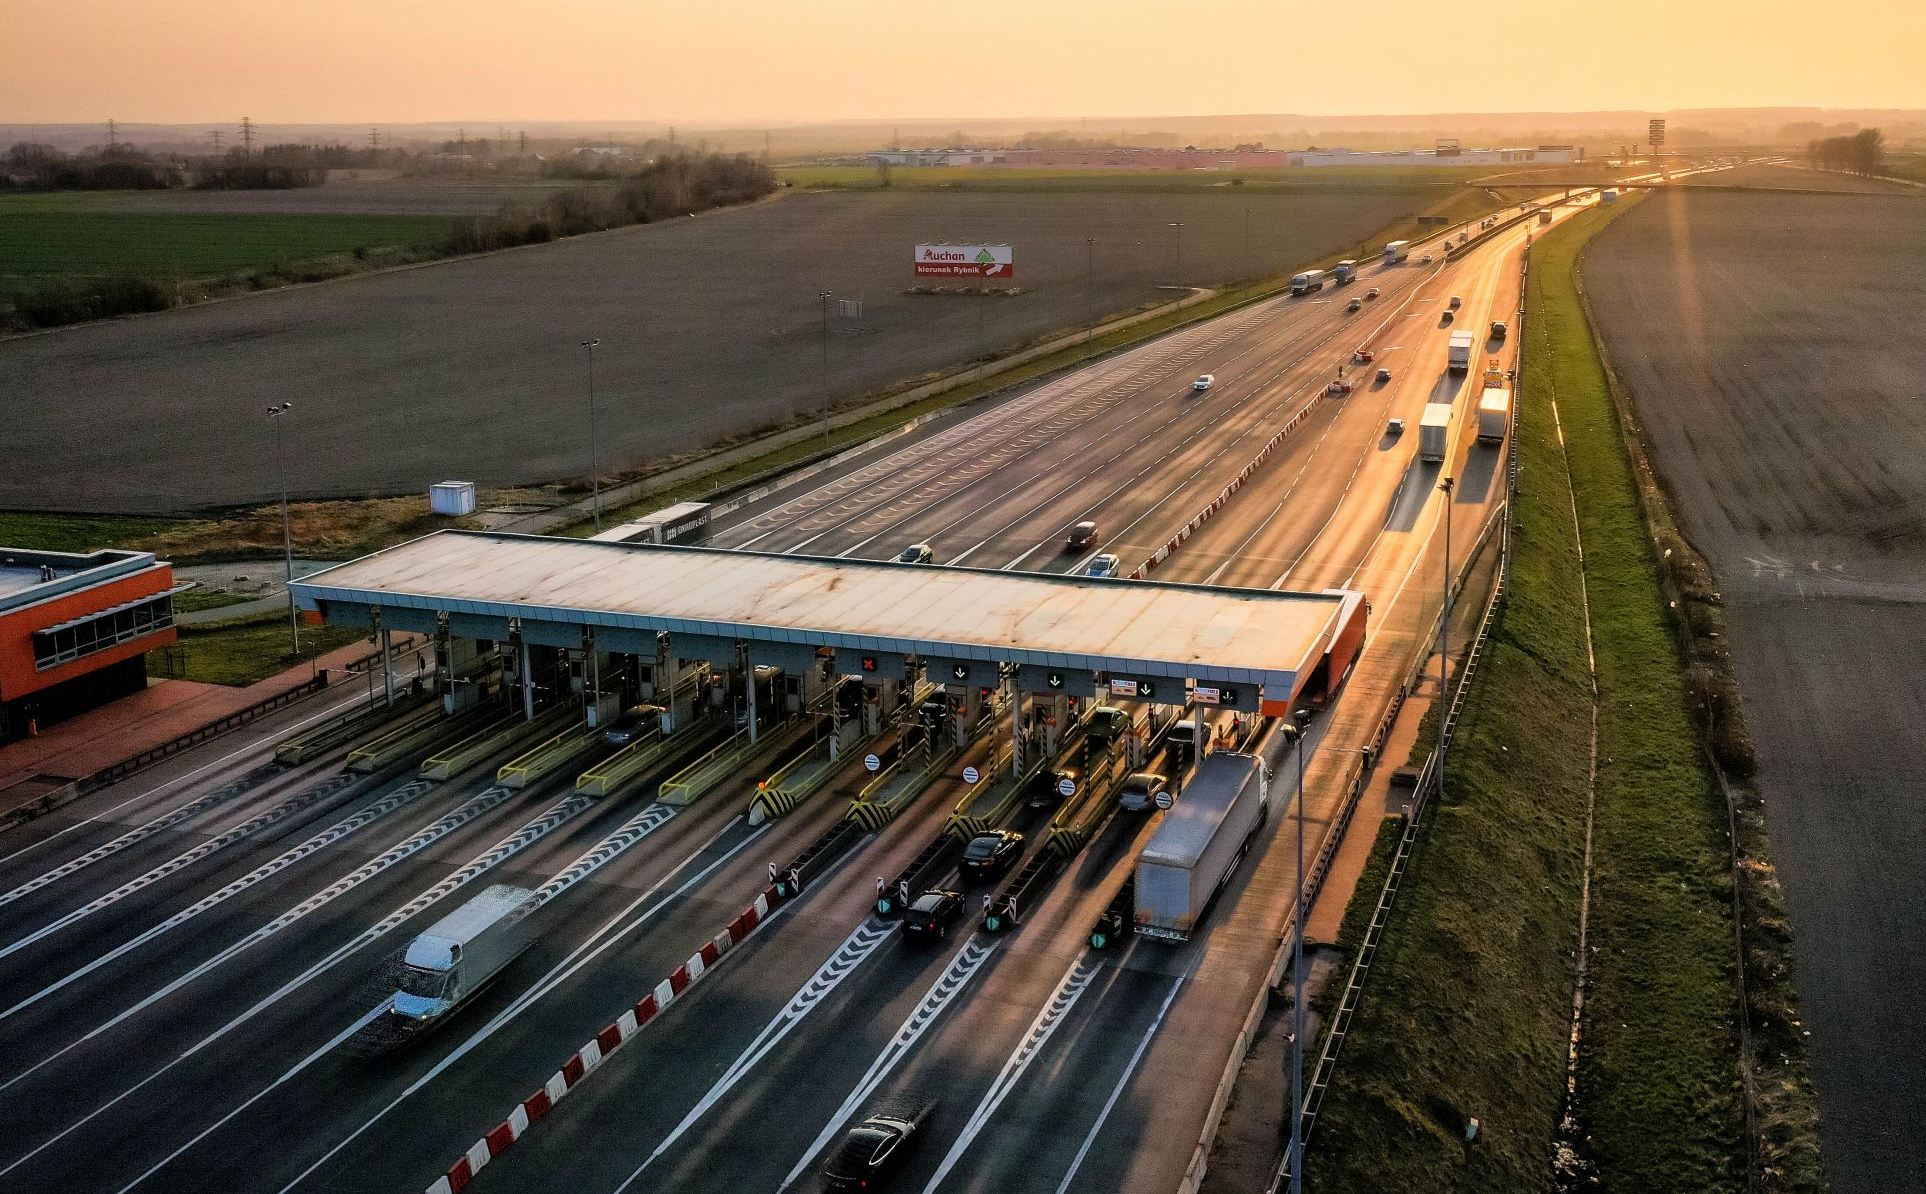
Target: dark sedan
[(990, 854), (872, 1150), (929, 915)]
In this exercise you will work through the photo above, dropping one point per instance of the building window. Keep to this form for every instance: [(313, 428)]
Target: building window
[(109, 628)]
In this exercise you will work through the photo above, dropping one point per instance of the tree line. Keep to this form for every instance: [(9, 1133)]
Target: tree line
[(673, 185), (29, 166), (1863, 152)]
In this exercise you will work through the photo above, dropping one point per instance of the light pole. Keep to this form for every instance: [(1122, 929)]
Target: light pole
[(1179, 279), (1295, 734), (825, 296), (595, 477), (287, 533), (1089, 292), (1444, 638)]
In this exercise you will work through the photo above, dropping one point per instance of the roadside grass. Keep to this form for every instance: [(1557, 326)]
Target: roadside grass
[(196, 600), (244, 650), (83, 532), (41, 242), (1470, 1000)]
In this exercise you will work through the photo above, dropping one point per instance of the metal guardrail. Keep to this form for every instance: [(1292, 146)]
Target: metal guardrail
[(543, 758)]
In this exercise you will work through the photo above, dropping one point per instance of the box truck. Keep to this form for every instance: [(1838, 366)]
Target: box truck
[(684, 522), (1462, 344), (1494, 415), (1204, 836), (1345, 271), (1306, 282), (1434, 431), (460, 954), (1396, 251)]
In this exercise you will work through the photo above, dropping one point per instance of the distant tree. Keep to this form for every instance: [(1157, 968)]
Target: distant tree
[(884, 167), (1863, 152)]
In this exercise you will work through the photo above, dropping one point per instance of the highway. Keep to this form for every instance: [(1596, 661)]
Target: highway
[(184, 965)]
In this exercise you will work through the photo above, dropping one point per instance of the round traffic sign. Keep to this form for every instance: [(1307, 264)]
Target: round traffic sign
[(1164, 800), (971, 775), (872, 762), (1066, 787)]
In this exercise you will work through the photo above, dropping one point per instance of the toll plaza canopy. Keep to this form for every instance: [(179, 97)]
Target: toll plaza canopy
[(623, 594)]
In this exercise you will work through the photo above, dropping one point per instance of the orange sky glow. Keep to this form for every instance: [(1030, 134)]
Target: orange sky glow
[(779, 61)]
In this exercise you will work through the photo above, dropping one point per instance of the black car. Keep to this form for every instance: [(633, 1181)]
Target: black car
[(989, 854), (929, 915), (632, 724), (1082, 537), (1046, 789), (872, 1150)]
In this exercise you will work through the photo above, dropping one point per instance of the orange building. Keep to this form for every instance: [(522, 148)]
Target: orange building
[(74, 630)]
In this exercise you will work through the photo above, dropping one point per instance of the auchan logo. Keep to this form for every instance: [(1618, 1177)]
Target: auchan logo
[(965, 261)]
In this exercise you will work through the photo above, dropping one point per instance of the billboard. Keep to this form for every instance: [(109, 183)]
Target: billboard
[(1655, 132), (965, 261)]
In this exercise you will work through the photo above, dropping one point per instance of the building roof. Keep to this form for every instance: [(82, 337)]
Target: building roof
[(28, 577), (1199, 632)]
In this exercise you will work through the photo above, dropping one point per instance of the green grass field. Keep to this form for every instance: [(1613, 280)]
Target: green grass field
[(1468, 1007), (244, 650), (48, 238), (81, 532)]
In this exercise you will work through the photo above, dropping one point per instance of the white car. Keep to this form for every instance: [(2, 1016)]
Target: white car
[(1104, 565), (1204, 383)]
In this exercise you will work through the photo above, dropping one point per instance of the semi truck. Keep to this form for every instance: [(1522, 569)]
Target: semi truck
[(1206, 833), (1608, 196), (1494, 415), (1462, 344), (1306, 282), (1344, 271), (1396, 251), (1434, 431), (459, 955), (684, 522)]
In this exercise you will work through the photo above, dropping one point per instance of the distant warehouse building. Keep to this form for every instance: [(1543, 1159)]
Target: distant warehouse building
[(74, 630)]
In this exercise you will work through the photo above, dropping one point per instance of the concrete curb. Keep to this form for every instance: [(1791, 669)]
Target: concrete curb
[(585, 1060)]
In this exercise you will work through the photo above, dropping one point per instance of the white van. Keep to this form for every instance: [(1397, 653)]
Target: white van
[(1204, 383)]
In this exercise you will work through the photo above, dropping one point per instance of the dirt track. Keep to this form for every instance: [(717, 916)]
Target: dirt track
[(1773, 344), (471, 369)]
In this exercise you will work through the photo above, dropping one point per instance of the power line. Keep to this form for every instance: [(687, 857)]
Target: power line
[(247, 137)]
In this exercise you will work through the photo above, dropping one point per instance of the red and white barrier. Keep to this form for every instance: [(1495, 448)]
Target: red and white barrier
[(1224, 495), (607, 1041)]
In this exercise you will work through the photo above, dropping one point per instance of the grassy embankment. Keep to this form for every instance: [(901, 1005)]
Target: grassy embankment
[(1470, 1000), (244, 650)]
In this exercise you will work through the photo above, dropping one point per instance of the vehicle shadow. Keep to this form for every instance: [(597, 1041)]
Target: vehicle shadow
[(1474, 481)]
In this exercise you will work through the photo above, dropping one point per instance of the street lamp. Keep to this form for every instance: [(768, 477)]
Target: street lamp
[(825, 296), (1294, 733), (287, 534), (1179, 279), (1089, 292), (595, 476)]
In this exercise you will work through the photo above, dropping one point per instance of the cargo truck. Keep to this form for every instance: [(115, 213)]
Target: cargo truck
[(1396, 251), (1205, 835), (1434, 431), (1344, 271), (1494, 415), (459, 955), (684, 522), (1608, 196), (1306, 282), (1462, 344)]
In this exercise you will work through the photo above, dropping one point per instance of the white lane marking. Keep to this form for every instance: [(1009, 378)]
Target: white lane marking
[(367, 1019), (558, 974), (852, 953), (528, 835), (187, 858), (1056, 1008), (1123, 1080), (396, 799), (105, 813), (941, 994), (139, 833)]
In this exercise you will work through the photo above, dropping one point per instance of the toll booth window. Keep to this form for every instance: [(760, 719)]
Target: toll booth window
[(108, 628)]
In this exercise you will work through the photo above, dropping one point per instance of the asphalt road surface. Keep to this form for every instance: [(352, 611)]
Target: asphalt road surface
[(184, 966)]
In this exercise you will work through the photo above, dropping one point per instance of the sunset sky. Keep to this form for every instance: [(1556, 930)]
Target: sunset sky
[(780, 61)]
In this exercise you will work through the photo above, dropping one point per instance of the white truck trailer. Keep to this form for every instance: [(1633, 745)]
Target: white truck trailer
[(1306, 282), (460, 954), (1462, 346), (1434, 431), (1204, 836), (1396, 251), (1494, 415), (1345, 271), (684, 522)]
